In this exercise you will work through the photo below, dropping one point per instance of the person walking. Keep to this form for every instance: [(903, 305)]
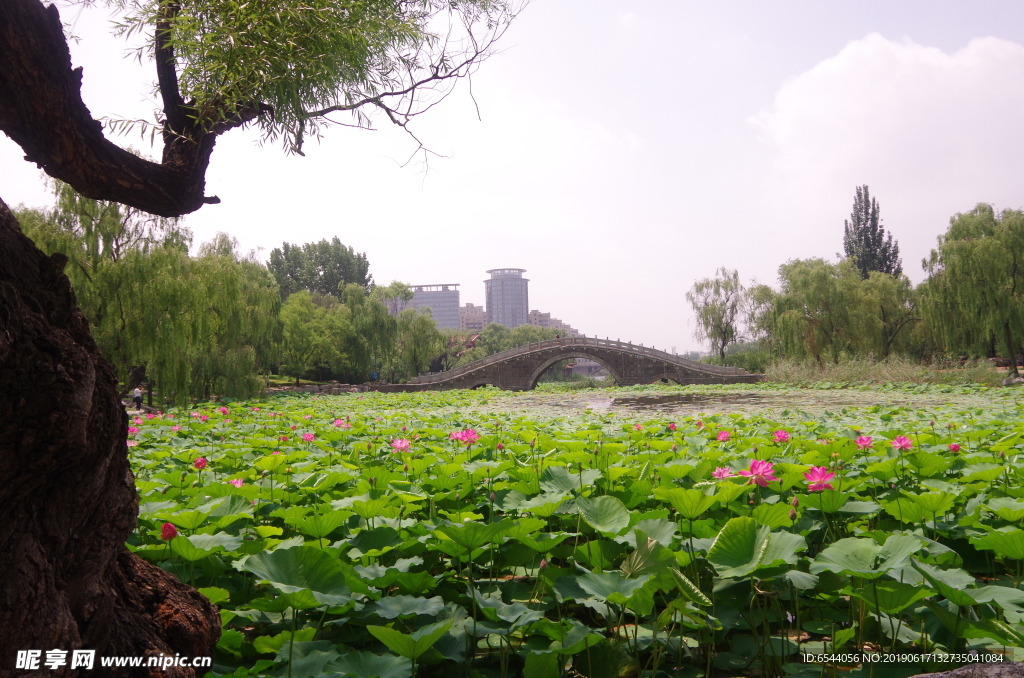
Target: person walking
[(137, 398)]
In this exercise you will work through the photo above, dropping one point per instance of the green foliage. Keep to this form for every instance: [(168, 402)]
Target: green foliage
[(194, 325), (302, 60), (716, 303), (322, 268), (496, 338), (865, 241), (583, 537), (975, 290)]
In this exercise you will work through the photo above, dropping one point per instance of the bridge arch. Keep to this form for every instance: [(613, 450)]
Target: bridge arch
[(546, 364)]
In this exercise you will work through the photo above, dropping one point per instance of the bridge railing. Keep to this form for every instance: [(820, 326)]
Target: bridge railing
[(436, 377)]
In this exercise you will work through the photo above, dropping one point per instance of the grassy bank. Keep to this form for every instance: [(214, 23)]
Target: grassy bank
[(894, 370)]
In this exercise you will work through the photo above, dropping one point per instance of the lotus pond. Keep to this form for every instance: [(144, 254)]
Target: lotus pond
[(490, 534)]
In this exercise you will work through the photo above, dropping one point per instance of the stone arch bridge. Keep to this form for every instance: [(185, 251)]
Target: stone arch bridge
[(520, 368)]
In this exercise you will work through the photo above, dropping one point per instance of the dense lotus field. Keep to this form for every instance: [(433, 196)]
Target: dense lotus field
[(454, 534)]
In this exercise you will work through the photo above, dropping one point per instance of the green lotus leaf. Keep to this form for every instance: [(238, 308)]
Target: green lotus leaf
[(689, 504), (1009, 544), (865, 558), (410, 645), (605, 514), (739, 547), (391, 607), (369, 665), (299, 568)]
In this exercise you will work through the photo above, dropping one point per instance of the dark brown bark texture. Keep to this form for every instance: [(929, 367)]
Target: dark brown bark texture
[(41, 109), (67, 496)]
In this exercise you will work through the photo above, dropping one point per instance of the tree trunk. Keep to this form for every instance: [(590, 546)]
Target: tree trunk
[(67, 494)]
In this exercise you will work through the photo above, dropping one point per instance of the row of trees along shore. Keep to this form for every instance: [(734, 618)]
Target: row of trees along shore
[(971, 304), (216, 322)]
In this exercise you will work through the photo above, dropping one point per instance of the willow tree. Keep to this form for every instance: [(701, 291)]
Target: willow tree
[(717, 303), (313, 334), (67, 499), (196, 325), (976, 281), (813, 309)]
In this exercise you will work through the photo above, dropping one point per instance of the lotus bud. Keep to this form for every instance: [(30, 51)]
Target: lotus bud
[(492, 497), (501, 446), (794, 502), (675, 447), (792, 514), (405, 468), (543, 563), (168, 532)]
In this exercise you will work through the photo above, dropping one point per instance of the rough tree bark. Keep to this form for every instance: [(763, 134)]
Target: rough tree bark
[(67, 495)]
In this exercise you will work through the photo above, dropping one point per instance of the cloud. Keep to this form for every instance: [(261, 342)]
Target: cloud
[(932, 133)]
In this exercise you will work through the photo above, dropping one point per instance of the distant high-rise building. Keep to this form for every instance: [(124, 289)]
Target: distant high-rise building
[(472, 318), (443, 302), (508, 301)]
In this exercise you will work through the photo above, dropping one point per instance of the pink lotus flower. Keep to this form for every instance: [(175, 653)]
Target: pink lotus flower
[(307, 416), (204, 418), (501, 446), (781, 437), (700, 424), (671, 426), (255, 409), (150, 416), (902, 443), (638, 427), (132, 430), (276, 452), (137, 420), (308, 437), (168, 532), (195, 414), (133, 443), (223, 410), (227, 421), (200, 463), (863, 442), (400, 445), (294, 427), (175, 428), (953, 447), (237, 482), (284, 439), (722, 472), (760, 472), (818, 478), (723, 436), (468, 436)]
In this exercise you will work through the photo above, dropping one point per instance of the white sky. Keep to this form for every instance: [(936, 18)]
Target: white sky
[(629, 148)]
